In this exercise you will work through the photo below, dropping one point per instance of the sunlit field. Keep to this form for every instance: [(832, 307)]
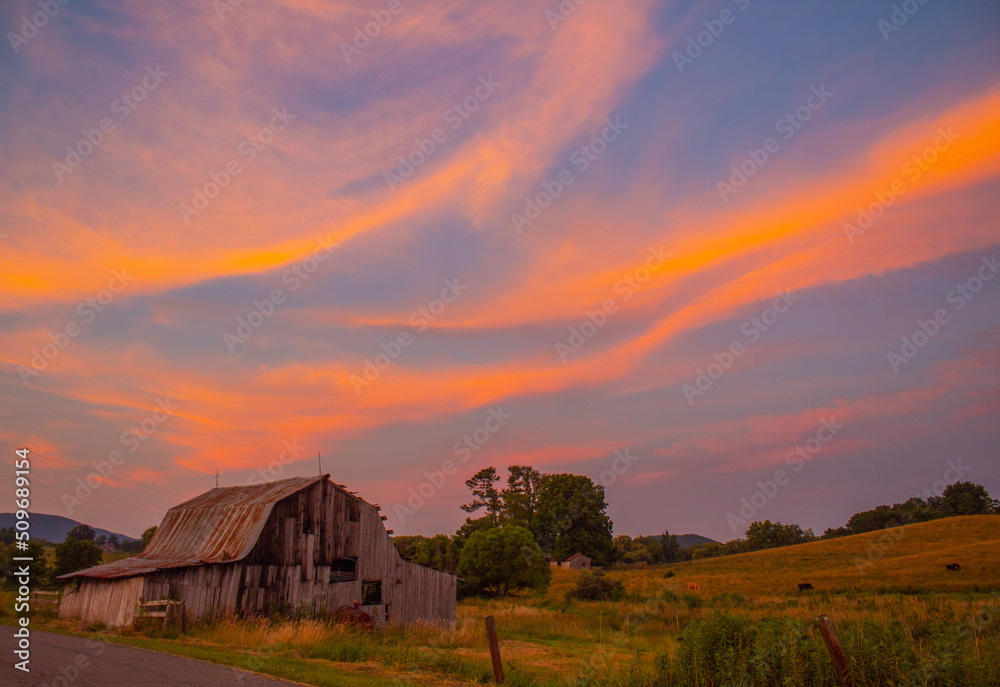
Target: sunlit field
[(901, 616)]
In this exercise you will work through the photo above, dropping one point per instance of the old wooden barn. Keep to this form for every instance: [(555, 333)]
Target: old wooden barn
[(296, 543)]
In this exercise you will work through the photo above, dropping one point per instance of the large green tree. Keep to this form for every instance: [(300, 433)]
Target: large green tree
[(520, 498), (38, 569), (407, 544), (84, 532), (769, 535), (76, 554), (473, 525), (965, 498), (485, 494), (439, 552), (502, 560), (570, 518), (670, 546)]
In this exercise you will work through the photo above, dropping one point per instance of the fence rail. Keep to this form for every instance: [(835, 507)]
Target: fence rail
[(40, 597), (172, 612)]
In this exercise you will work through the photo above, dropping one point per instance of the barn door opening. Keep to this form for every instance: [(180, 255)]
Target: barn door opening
[(372, 602)]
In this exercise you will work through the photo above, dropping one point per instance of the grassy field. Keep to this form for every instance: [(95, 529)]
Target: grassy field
[(106, 557), (902, 617)]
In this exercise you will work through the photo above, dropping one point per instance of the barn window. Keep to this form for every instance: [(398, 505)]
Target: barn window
[(371, 592), (344, 570)]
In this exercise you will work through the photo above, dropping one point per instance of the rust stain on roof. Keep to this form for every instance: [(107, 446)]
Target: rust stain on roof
[(220, 526)]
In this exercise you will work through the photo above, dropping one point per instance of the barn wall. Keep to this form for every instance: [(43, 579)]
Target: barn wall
[(111, 602), (204, 589), (422, 594), (307, 532)]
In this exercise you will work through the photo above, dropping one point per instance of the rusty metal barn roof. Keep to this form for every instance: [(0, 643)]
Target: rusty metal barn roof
[(219, 526)]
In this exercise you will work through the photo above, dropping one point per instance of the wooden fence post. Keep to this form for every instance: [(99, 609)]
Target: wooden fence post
[(837, 654), (491, 637)]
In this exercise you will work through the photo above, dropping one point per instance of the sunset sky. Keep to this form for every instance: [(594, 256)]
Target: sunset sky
[(431, 237)]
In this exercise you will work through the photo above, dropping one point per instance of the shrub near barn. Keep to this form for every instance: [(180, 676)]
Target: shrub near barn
[(502, 560)]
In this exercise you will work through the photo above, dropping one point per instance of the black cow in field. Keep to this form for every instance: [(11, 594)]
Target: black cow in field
[(953, 566), (804, 586)]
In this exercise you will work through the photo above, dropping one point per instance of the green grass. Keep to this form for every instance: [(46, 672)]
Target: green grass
[(902, 618)]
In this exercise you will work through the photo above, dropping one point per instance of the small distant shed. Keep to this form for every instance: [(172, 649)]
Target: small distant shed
[(576, 562), (300, 543)]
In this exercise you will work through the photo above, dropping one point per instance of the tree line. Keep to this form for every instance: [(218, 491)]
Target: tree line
[(81, 549), (960, 498), (539, 517)]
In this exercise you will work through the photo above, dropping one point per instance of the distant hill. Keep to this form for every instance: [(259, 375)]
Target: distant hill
[(686, 540), (53, 528)]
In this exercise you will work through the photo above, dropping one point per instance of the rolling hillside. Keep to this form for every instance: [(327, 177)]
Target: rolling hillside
[(908, 559)]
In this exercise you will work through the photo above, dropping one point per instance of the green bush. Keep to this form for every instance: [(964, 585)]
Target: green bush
[(692, 601), (503, 560), (595, 586)]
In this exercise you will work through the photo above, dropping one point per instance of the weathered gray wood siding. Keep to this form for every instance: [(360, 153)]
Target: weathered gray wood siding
[(205, 589), (111, 602), (307, 532)]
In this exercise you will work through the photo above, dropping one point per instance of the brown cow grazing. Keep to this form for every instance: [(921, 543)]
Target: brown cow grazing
[(953, 566), (804, 586), (692, 585)]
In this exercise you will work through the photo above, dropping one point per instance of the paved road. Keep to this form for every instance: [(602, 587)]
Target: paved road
[(63, 661)]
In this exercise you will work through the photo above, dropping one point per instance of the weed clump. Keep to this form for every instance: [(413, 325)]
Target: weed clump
[(595, 586)]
